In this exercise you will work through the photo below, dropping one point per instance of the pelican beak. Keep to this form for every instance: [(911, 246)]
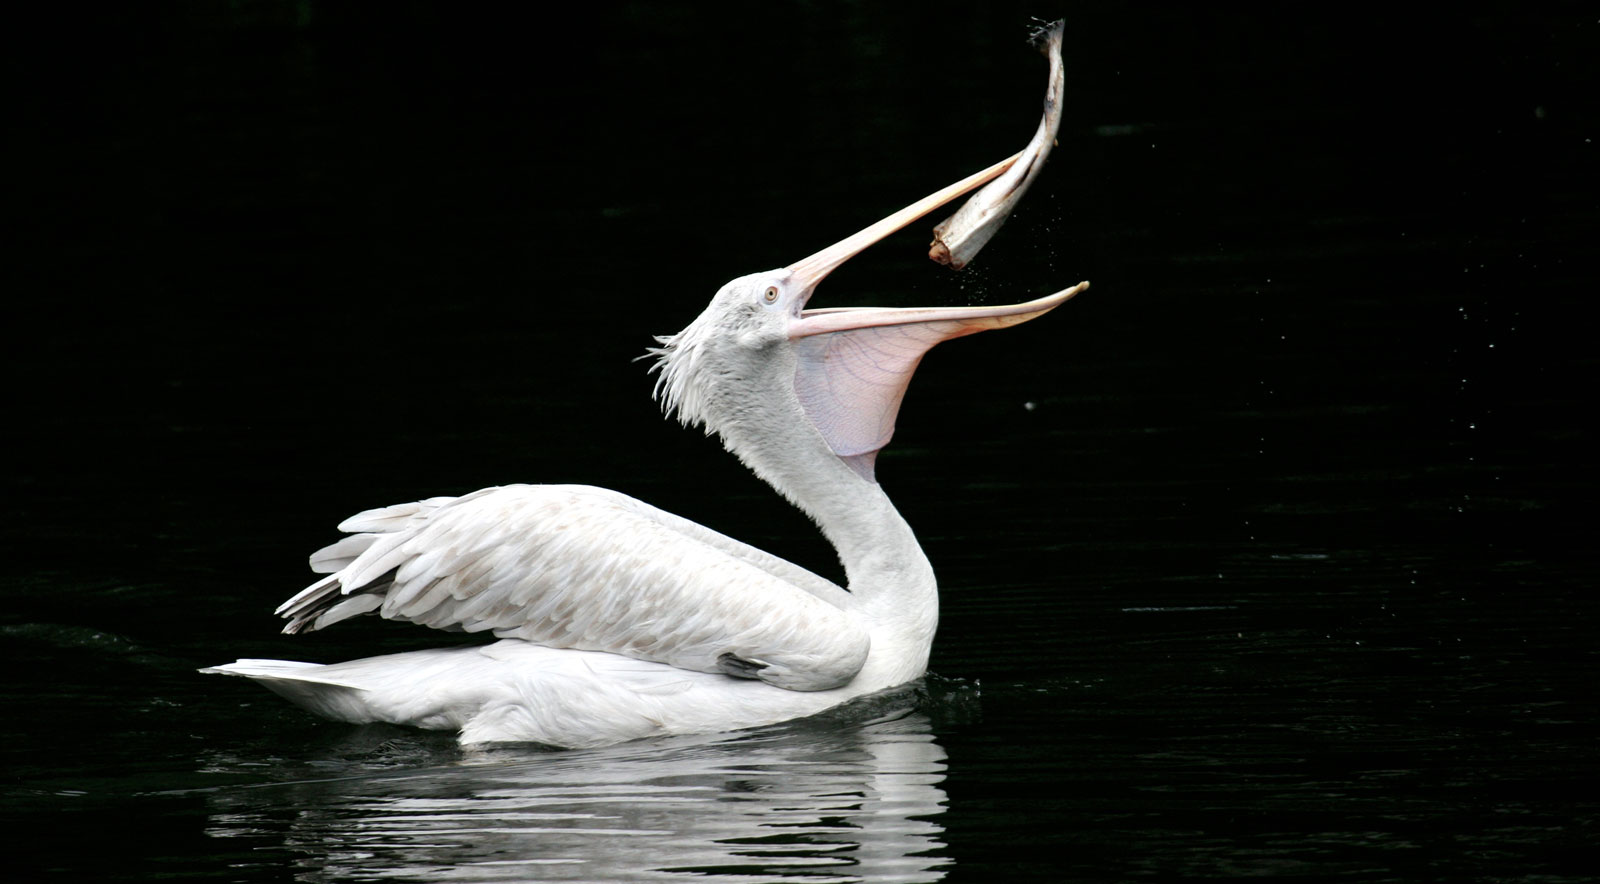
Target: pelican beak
[(954, 321), (853, 364), (807, 273), (810, 271)]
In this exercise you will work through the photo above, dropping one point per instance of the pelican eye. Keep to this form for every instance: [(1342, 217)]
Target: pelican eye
[(771, 295)]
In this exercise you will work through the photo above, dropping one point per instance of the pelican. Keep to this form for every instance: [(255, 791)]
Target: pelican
[(618, 621)]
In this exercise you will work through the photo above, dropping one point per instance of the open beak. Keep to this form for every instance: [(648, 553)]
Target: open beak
[(853, 364), (808, 272)]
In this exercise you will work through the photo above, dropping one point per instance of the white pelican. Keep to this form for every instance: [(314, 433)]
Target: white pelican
[(619, 621)]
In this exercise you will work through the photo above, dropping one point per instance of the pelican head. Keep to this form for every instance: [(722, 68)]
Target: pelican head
[(756, 360)]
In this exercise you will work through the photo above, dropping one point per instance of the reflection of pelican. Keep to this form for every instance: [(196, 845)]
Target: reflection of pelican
[(622, 621), (850, 801)]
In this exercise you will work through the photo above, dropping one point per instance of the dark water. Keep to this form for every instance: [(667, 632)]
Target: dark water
[(1270, 556)]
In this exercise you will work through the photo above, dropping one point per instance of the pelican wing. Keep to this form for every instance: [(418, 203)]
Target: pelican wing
[(571, 566)]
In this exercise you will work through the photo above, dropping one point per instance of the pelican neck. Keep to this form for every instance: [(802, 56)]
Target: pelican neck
[(889, 577)]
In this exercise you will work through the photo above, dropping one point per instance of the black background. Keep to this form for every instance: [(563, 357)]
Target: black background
[(266, 253), (273, 263)]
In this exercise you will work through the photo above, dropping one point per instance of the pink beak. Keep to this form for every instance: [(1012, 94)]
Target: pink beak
[(855, 362)]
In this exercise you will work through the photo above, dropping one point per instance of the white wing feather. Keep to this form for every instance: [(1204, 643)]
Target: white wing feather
[(572, 566)]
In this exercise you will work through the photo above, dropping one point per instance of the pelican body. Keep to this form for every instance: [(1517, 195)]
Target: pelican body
[(617, 621)]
